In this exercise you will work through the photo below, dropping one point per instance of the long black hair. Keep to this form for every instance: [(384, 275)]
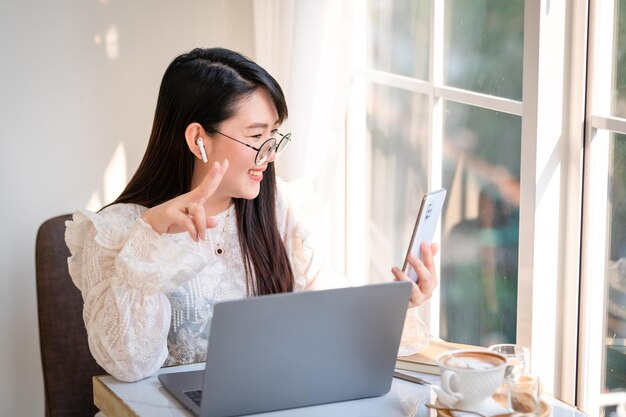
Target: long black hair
[(205, 86)]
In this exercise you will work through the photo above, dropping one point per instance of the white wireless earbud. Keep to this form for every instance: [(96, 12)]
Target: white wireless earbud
[(200, 143)]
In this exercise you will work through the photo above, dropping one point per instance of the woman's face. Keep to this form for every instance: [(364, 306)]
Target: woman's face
[(254, 122)]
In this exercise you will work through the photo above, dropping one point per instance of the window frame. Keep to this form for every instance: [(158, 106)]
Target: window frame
[(599, 125), (550, 176)]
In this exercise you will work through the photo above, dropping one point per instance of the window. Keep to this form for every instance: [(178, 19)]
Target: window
[(487, 98), (603, 324), (443, 118)]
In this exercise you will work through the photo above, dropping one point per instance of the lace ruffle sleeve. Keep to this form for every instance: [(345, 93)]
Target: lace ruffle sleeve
[(415, 335), (123, 269)]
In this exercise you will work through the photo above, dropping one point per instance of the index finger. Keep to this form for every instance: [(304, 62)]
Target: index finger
[(428, 257), (210, 182)]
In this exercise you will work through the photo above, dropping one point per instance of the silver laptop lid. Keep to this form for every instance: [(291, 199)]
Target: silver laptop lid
[(293, 350)]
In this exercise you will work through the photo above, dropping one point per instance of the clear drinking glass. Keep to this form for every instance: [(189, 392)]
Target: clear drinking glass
[(525, 391), (518, 359)]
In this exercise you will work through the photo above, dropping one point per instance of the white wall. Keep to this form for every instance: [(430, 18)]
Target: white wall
[(78, 87)]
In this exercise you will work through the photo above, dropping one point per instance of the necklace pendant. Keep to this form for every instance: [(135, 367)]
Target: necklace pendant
[(219, 251)]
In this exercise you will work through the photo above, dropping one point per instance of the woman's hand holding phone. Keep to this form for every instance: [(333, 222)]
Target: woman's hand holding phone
[(426, 271), (419, 265)]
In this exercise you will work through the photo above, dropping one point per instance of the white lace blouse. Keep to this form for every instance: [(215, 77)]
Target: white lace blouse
[(148, 298)]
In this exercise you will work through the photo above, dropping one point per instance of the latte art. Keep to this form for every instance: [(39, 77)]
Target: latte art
[(472, 360), (468, 363)]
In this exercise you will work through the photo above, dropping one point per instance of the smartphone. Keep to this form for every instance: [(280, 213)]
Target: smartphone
[(425, 226)]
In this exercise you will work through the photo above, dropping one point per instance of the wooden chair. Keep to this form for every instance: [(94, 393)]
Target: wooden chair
[(67, 362)]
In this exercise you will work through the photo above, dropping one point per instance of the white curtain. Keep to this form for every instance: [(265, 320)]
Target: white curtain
[(306, 46)]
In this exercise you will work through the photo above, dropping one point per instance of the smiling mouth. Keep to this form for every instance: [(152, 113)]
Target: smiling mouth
[(255, 172)]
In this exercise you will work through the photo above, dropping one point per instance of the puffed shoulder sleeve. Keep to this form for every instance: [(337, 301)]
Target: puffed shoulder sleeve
[(123, 269)]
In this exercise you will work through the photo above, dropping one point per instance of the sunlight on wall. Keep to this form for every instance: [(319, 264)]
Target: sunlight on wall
[(111, 42), (115, 177), (112, 46), (95, 202)]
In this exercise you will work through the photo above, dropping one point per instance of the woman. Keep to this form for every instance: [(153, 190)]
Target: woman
[(203, 220)]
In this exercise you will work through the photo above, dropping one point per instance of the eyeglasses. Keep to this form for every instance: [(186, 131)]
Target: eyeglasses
[(264, 151)]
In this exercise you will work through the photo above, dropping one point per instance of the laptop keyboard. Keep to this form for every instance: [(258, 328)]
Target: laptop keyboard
[(195, 396)]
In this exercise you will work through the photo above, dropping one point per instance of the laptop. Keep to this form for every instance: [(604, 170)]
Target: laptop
[(296, 349)]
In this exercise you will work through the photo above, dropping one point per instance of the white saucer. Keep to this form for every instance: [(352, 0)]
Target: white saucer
[(489, 407)]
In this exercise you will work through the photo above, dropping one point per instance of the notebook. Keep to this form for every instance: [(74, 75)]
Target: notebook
[(424, 361), (298, 349)]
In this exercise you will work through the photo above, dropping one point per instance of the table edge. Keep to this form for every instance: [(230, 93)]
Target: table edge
[(104, 397)]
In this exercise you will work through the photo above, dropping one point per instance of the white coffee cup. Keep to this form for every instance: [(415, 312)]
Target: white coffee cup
[(470, 377)]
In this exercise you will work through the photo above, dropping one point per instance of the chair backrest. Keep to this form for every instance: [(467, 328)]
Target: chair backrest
[(67, 362)]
